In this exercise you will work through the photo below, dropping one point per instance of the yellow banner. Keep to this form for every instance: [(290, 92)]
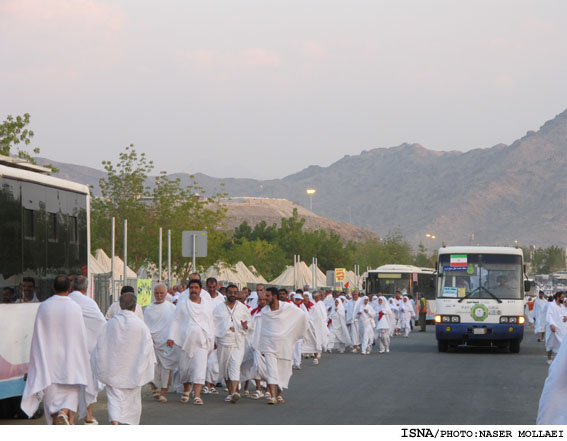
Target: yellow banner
[(144, 292), (340, 274)]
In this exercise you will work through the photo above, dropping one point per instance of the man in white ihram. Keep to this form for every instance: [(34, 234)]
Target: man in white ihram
[(94, 322), (281, 325), (124, 360), (233, 322), (193, 330), (158, 317), (59, 360)]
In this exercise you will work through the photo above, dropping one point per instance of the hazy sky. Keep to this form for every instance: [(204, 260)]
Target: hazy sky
[(265, 88)]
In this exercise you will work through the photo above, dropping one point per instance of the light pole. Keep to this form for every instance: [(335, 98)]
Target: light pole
[(310, 192)]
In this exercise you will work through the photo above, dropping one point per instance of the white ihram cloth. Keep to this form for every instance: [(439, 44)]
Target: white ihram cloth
[(193, 330), (329, 302), (253, 364), (555, 314), (355, 326), (158, 318), (231, 344), (59, 359), (365, 320), (385, 318), (552, 409), (316, 337), (213, 368), (340, 335), (407, 313), (94, 322), (394, 316), (124, 360), (278, 331), (115, 309), (539, 312), (252, 300)]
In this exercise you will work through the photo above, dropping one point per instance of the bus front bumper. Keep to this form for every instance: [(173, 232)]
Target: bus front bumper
[(474, 331)]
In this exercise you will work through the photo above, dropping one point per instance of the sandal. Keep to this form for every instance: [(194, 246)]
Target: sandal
[(205, 390), (63, 419), (280, 399), (185, 397), (247, 394), (257, 395), (235, 397), (197, 401), (156, 393), (162, 399), (213, 391), (271, 401), (228, 398), (92, 422)]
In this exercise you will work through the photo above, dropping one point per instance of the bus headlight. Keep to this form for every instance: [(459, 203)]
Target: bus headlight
[(503, 319), (521, 320), (455, 319), (446, 319), (437, 319), (513, 320)]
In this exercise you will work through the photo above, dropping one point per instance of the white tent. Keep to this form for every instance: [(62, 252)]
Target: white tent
[(321, 278), (304, 277), (259, 277), (105, 262), (225, 273), (95, 267)]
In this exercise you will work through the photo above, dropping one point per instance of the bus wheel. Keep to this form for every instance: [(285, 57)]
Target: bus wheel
[(442, 345), (514, 346)]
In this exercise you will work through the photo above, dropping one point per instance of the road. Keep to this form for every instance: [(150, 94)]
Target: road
[(413, 384)]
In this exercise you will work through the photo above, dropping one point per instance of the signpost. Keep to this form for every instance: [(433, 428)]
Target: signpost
[(340, 274), (194, 244)]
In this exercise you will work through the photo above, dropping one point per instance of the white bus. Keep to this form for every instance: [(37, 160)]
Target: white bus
[(480, 297), (44, 231), (414, 280)]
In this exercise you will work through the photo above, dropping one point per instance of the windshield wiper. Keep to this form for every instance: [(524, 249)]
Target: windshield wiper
[(478, 289)]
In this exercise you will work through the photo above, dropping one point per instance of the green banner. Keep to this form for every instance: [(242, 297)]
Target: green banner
[(144, 292)]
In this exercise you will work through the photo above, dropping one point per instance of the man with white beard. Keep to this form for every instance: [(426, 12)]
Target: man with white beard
[(158, 317), (124, 360), (233, 322), (59, 360), (193, 330), (540, 309), (94, 322), (280, 326)]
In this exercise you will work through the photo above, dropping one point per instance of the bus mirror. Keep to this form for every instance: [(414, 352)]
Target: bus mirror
[(527, 285)]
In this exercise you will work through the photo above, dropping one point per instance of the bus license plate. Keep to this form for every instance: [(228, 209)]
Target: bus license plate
[(479, 331)]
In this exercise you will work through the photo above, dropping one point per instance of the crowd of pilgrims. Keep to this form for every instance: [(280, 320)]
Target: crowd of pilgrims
[(193, 339)]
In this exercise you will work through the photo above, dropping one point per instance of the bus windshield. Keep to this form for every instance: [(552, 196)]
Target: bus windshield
[(388, 283), (480, 276)]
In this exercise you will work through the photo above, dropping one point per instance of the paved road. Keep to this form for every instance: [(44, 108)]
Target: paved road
[(413, 384)]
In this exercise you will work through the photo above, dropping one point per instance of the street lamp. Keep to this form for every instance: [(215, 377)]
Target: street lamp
[(310, 192)]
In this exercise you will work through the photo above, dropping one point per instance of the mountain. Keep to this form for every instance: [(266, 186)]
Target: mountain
[(491, 196)]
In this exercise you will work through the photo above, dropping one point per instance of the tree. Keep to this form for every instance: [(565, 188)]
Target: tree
[(126, 195), (13, 132)]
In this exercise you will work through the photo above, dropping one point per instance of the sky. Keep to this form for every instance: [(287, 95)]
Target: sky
[(263, 89)]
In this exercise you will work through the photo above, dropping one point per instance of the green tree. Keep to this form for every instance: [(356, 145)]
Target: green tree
[(125, 194), (13, 132)]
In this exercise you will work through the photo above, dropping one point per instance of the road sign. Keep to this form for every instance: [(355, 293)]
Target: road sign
[(340, 274), (194, 244)]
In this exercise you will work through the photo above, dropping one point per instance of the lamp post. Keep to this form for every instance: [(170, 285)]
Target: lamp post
[(310, 192)]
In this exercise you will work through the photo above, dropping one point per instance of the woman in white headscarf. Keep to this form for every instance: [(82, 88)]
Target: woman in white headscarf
[(385, 317), (395, 312), (366, 316), (407, 314), (340, 337)]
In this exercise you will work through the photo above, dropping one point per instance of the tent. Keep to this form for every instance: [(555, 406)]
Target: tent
[(304, 277), (105, 262), (225, 273), (259, 277)]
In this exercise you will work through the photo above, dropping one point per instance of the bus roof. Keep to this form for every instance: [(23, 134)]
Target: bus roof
[(481, 250), (402, 269), (19, 174)]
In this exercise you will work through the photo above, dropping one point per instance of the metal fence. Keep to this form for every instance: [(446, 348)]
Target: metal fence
[(102, 292)]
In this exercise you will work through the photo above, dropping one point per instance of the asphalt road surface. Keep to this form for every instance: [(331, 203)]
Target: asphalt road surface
[(412, 385)]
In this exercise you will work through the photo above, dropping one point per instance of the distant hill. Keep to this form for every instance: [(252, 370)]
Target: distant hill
[(487, 196)]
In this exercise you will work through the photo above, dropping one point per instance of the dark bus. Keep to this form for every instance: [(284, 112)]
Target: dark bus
[(44, 231)]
